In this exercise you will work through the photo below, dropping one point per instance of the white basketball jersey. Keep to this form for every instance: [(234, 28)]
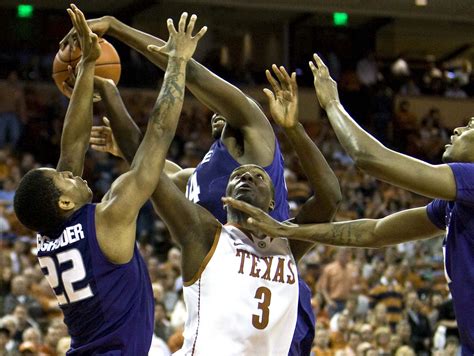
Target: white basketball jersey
[(244, 299)]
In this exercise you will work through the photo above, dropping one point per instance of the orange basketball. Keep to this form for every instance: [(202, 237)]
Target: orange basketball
[(106, 66)]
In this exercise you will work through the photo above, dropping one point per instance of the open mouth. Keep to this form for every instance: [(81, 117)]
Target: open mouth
[(243, 186)]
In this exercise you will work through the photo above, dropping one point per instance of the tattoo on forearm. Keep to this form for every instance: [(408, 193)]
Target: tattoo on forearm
[(355, 233), (171, 92), (343, 234)]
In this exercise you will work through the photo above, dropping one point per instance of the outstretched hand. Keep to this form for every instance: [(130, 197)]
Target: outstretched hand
[(103, 140), (88, 41), (258, 222), (283, 100), (326, 87), (181, 43), (99, 26)]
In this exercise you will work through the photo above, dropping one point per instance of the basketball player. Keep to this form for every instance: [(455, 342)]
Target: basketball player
[(451, 212), (240, 290), (247, 137), (88, 251)]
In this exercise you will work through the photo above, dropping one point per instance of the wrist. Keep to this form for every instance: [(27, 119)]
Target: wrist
[(85, 64), (293, 130), (178, 58), (112, 24)]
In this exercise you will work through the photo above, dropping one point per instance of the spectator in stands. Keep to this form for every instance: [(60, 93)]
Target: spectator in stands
[(63, 345), (163, 328), (436, 299), (19, 295), (452, 346), (337, 280), (404, 331), (349, 311), (321, 343), (55, 332), (23, 322), (432, 77), (340, 337), (447, 326), (12, 110), (405, 126), (8, 192), (10, 323), (419, 323), (367, 70), (405, 351), (389, 293), (382, 341), (433, 137), (394, 343)]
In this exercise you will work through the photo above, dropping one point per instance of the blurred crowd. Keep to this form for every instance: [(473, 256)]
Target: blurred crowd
[(391, 301)]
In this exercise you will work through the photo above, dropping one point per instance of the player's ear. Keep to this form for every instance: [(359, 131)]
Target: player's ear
[(65, 203)]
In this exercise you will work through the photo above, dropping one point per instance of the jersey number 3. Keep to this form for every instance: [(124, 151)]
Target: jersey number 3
[(264, 295), (72, 275)]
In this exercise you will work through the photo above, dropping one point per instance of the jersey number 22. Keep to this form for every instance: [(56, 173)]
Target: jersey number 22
[(72, 275)]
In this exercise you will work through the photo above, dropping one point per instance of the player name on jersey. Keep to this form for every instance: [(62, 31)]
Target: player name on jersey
[(260, 267), (70, 235)]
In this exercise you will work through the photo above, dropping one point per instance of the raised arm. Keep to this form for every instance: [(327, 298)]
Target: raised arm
[(127, 134), (434, 181), (322, 206), (121, 136), (407, 225), (240, 111), (116, 216), (78, 120)]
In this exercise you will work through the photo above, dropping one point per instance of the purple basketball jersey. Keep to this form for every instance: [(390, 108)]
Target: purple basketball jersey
[(108, 308), (457, 217)]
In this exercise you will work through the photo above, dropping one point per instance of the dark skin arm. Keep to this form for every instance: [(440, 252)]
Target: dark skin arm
[(126, 132), (241, 112), (434, 181), (78, 120), (191, 226), (404, 226), (322, 206), (116, 215), (120, 135)]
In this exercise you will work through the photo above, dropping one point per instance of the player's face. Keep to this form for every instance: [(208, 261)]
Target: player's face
[(217, 125), (72, 186), (461, 147), (251, 184)]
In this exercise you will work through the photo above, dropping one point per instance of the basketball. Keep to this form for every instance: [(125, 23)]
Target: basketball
[(107, 65)]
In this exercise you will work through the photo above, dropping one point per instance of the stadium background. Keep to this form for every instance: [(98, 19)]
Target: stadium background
[(404, 71)]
